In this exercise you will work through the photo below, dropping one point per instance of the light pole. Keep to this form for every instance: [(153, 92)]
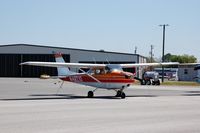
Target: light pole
[(163, 50)]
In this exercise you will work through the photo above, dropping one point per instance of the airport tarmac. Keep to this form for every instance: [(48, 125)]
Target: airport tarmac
[(38, 106)]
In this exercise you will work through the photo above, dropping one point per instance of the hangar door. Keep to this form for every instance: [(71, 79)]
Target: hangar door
[(9, 65)]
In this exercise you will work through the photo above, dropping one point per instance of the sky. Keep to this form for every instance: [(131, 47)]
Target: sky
[(110, 25)]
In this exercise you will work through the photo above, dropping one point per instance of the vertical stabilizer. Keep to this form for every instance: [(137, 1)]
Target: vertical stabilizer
[(62, 71)]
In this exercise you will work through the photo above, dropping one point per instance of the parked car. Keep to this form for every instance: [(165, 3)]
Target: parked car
[(149, 78)]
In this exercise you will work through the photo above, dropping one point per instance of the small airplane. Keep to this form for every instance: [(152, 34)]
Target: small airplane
[(100, 76)]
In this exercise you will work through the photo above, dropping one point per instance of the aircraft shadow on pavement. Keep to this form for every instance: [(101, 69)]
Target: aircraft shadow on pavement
[(68, 96), (191, 93)]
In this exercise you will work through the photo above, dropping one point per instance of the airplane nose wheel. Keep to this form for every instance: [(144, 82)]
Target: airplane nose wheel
[(90, 94), (121, 94), (118, 94)]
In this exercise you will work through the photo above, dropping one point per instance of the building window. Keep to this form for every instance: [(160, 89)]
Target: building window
[(185, 71)]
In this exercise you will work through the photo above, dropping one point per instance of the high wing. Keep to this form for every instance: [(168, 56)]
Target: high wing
[(60, 64), (190, 64), (148, 64), (86, 65)]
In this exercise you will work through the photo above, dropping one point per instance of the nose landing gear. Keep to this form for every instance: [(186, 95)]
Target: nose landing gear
[(121, 94)]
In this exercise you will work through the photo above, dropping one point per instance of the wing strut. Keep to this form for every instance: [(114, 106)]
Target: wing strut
[(89, 75)]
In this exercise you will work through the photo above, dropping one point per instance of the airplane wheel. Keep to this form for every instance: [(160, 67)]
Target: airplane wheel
[(90, 94), (123, 95), (118, 93)]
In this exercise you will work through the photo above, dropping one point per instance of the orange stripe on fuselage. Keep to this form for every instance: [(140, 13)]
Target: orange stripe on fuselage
[(105, 78)]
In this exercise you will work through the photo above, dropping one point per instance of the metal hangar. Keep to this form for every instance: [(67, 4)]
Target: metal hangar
[(13, 54)]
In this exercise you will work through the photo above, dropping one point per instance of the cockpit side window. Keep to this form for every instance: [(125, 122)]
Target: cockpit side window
[(108, 69), (113, 67), (99, 71)]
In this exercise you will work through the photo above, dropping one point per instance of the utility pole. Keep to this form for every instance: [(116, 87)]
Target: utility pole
[(163, 50), (151, 57), (151, 53), (135, 50)]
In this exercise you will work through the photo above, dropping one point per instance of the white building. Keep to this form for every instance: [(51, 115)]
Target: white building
[(188, 73)]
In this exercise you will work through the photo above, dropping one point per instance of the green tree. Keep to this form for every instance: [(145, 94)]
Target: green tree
[(180, 58), (168, 57)]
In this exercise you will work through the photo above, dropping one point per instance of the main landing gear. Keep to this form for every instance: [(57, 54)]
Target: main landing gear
[(121, 94), (90, 94)]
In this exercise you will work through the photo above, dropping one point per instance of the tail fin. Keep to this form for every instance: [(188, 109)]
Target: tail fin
[(62, 71)]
